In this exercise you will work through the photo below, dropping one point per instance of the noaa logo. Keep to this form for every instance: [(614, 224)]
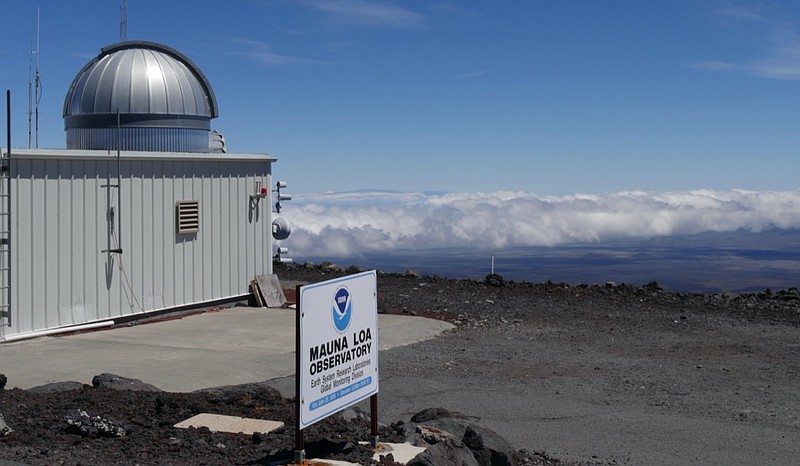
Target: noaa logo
[(342, 309)]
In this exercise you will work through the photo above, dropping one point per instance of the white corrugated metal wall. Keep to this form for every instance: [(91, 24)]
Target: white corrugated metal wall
[(60, 277)]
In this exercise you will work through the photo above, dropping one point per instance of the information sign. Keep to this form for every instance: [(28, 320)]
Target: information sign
[(337, 345)]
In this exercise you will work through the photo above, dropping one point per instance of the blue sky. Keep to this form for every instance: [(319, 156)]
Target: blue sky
[(545, 97)]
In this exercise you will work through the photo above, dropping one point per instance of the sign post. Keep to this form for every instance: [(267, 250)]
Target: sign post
[(337, 350)]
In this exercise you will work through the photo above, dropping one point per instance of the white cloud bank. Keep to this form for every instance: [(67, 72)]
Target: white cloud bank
[(350, 224)]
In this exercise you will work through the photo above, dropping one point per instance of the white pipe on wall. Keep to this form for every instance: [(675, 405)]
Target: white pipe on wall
[(53, 331)]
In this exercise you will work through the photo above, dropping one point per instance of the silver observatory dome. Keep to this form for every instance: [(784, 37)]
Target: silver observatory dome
[(163, 100)]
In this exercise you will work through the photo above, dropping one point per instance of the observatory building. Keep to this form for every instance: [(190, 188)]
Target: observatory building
[(142, 212)]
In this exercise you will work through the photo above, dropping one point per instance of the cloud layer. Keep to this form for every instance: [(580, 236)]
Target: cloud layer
[(350, 224)]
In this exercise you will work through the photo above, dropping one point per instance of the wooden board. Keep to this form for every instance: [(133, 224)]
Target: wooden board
[(256, 293), (271, 291)]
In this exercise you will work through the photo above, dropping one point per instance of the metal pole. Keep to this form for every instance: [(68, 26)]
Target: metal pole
[(373, 414), (8, 198), (109, 213), (30, 97), (299, 443), (37, 78), (123, 22), (119, 187), (8, 121)]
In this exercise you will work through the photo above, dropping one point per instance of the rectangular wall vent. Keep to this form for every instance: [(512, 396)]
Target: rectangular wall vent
[(188, 215)]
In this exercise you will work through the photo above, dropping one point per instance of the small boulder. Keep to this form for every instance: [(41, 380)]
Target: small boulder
[(653, 287), (489, 448), (4, 429), (789, 295), (3, 381), (494, 279), (450, 452), (432, 434), (310, 266), (255, 392), (117, 382), (727, 296), (429, 414), (329, 266), (85, 425), (452, 426), (57, 387)]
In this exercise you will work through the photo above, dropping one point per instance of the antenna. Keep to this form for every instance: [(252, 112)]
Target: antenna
[(30, 90), (37, 78), (123, 21)]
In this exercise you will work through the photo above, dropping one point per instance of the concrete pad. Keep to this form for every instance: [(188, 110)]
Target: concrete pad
[(231, 424), (228, 347)]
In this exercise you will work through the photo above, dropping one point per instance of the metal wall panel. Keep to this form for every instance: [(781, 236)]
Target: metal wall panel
[(60, 225), (143, 139)]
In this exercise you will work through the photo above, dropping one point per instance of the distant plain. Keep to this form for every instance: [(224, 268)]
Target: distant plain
[(705, 263)]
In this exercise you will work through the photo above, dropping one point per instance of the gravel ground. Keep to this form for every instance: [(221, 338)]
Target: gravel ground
[(601, 374)]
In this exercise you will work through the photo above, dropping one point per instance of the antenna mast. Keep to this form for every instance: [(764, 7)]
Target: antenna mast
[(30, 91), (37, 78), (123, 22)]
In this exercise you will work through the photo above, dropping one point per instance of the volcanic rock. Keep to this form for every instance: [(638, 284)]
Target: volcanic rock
[(450, 452), (117, 382), (489, 448)]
